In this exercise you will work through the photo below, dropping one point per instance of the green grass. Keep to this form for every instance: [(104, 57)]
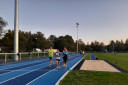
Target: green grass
[(87, 57), (121, 58), (100, 78), (95, 78)]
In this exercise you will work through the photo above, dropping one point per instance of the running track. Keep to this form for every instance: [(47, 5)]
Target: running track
[(35, 72), (92, 57)]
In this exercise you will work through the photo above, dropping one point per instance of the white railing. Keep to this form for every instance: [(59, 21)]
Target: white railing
[(8, 57)]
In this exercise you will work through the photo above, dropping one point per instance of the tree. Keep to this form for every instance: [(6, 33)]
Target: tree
[(119, 45), (27, 41), (87, 47), (8, 40), (51, 38), (81, 45), (69, 42), (59, 43), (23, 40), (97, 46), (102, 46), (112, 45), (37, 40), (126, 45), (3, 23), (64, 41)]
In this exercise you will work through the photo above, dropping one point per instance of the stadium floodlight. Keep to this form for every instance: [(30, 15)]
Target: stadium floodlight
[(77, 24), (16, 35)]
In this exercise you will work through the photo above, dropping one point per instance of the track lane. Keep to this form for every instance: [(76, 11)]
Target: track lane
[(16, 73), (53, 76)]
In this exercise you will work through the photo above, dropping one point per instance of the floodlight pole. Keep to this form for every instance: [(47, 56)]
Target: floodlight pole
[(16, 35), (77, 35)]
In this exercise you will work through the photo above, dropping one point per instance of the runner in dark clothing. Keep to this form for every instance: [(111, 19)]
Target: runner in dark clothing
[(65, 57)]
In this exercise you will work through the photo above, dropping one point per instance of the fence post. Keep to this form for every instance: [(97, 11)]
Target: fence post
[(38, 55), (30, 55), (5, 57), (20, 56), (44, 54)]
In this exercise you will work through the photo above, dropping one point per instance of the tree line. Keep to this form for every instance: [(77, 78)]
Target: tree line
[(28, 41)]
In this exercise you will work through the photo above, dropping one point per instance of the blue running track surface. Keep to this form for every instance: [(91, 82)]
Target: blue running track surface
[(92, 57), (35, 72)]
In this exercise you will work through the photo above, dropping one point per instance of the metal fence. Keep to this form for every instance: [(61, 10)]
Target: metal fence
[(9, 57)]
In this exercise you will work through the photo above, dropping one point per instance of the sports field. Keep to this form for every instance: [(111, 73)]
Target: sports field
[(120, 58), (95, 78), (100, 78)]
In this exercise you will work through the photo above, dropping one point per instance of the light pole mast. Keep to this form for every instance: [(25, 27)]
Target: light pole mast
[(16, 36), (77, 24)]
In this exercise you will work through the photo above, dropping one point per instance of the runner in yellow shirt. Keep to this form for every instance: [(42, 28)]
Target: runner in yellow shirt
[(51, 54), (83, 53)]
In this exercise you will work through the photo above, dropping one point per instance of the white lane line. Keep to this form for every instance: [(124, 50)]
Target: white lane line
[(21, 75), (12, 63), (40, 76), (20, 64), (24, 63), (24, 68), (44, 74), (57, 83)]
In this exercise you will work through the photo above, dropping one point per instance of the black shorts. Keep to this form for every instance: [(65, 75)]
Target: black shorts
[(58, 59), (50, 58), (65, 59)]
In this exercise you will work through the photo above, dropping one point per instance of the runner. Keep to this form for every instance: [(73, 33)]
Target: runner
[(83, 53), (62, 53), (65, 57), (58, 59), (51, 54)]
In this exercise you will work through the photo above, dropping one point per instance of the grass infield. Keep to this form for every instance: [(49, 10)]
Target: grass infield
[(120, 59), (76, 77), (87, 57), (95, 78)]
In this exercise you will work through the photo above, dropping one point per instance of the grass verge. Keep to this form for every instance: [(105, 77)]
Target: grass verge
[(87, 57), (95, 78), (120, 58)]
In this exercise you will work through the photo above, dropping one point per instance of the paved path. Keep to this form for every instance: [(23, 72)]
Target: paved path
[(98, 65)]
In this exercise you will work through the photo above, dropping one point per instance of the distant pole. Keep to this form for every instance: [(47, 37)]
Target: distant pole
[(77, 24), (16, 36)]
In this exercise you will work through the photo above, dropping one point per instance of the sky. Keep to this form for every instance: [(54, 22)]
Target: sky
[(101, 20)]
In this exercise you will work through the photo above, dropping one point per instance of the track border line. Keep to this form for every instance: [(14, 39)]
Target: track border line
[(57, 83), (45, 74), (22, 74), (31, 62)]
